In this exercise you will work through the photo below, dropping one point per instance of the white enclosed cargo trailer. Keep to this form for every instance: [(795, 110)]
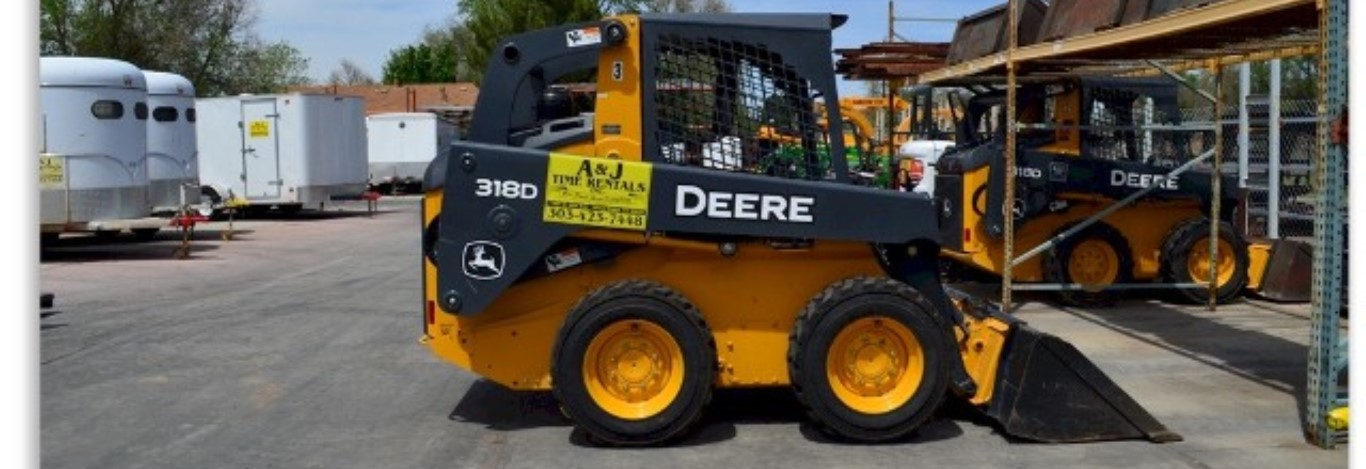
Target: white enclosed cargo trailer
[(288, 150), (93, 164), (402, 144), (172, 166)]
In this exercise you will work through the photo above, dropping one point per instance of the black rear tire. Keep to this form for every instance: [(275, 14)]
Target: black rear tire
[(815, 332), (645, 301), (1176, 251), (1056, 268)]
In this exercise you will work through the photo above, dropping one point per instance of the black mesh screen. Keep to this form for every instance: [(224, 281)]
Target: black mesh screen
[(1126, 125), (734, 106)]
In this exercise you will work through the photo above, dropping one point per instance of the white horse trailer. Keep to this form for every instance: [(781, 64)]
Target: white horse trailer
[(172, 167), (93, 165), (287, 151), (402, 144)]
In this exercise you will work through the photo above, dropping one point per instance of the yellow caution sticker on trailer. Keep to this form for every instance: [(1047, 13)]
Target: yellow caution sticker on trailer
[(260, 129), (597, 192), (51, 171)]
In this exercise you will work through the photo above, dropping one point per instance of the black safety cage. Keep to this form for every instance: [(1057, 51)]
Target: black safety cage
[(741, 94)]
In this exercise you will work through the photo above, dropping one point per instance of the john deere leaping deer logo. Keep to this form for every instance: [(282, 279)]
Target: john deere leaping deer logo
[(483, 260)]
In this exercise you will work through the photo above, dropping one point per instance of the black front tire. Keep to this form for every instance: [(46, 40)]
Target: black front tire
[(644, 301), (814, 333), (1176, 252)]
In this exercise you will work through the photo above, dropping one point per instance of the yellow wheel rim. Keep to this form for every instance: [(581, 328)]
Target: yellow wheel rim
[(1197, 263), (1093, 262), (875, 365), (633, 369)]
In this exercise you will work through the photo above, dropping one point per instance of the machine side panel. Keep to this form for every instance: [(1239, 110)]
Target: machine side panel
[(505, 207)]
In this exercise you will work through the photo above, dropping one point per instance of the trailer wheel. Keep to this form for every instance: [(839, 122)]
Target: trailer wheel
[(867, 360), (634, 364), (211, 194), (1185, 259), (1096, 257)]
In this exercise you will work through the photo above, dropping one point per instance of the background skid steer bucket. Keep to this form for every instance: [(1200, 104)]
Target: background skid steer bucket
[(1048, 391)]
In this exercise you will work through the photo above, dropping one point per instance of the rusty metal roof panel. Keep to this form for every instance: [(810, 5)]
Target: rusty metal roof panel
[(1067, 18), (890, 60), (984, 33)]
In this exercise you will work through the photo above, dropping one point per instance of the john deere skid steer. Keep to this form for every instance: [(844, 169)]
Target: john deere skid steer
[(1085, 145), (634, 257)]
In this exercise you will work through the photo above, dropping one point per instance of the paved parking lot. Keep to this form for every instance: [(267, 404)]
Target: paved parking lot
[(294, 345)]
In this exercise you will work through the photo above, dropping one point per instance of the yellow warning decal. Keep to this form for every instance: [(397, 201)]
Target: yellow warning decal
[(260, 129), (597, 192), (51, 171)]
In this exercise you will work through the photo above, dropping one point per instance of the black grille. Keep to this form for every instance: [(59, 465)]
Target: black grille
[(734, 106)]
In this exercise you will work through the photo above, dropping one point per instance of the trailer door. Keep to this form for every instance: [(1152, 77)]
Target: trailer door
[(260, 150)]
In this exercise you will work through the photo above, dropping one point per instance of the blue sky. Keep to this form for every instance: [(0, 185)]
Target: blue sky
[(327, 31)]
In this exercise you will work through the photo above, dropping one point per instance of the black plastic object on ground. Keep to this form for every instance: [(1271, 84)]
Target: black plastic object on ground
[(1048, 391)]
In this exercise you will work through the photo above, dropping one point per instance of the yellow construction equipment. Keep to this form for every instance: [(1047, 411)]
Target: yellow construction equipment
[(634, 258), (1083, 149)]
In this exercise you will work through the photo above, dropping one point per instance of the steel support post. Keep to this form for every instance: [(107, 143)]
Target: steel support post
[(1273, 154), (1216, 180), (1012, 26), (1326, 355), (1244, 89)]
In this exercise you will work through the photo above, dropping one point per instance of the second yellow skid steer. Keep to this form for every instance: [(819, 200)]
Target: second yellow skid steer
[(633, 256)]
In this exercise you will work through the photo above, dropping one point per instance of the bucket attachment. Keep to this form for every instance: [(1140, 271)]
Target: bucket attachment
[(1288, 272), (1047, 391)]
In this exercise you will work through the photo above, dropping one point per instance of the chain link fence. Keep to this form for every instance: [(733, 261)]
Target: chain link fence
[(1280, 193), (1280, 196)]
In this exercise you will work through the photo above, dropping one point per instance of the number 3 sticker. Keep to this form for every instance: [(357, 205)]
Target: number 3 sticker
[(617, 71)]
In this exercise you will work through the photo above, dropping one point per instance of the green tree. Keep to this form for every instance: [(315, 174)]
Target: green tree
[(1299, 82), (489, 21), (268, 67), (684, 6), (421, 63), (1299, 78), (435, 58), (210, 42), (459, 48)]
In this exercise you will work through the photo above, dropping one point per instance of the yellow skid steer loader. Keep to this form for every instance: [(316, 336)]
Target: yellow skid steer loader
[(634, 258)]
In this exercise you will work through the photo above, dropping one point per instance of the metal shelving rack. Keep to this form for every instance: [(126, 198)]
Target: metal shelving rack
[(1328, 346), (1212, 36)]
